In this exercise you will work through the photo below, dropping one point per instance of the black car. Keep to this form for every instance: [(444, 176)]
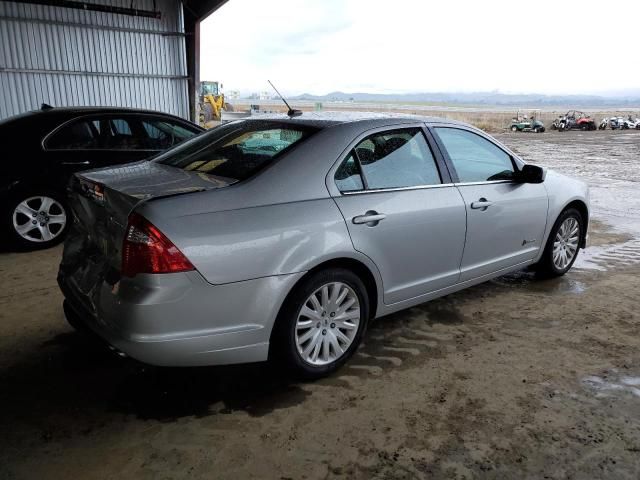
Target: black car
[(42, 149)]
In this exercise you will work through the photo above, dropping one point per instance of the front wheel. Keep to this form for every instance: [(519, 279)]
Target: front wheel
[(321, 323), (514, 129), (37, 220), (562, 247)]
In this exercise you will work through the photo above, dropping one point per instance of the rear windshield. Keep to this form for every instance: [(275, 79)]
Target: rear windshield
[(236, 150)]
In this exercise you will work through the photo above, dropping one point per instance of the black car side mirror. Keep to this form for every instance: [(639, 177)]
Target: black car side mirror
[(530, 174)]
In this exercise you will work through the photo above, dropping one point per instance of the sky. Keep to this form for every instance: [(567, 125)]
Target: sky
[(405, 46)]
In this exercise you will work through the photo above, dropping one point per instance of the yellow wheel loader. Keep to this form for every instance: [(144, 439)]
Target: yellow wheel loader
[(211, 104)]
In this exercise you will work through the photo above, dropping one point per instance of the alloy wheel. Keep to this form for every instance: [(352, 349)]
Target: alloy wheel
[(327, 324), (565, 245), (39, 219)]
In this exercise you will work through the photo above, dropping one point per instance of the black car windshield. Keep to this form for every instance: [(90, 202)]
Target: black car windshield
[(236, 150)]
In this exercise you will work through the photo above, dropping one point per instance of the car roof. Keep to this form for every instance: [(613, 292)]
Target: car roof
[(367, 119), (63, 113)]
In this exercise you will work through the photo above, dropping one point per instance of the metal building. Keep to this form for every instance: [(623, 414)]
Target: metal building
[(128, 53)]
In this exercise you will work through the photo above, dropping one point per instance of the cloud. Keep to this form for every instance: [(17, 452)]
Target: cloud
[(408, 46)]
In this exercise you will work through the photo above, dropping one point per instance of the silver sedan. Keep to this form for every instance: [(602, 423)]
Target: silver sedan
[(282, 238)]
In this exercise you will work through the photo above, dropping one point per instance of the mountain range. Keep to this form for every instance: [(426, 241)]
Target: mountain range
[(628, 99)]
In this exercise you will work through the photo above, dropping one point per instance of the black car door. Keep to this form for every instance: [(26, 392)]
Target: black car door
[(103, 140), (166, 132)]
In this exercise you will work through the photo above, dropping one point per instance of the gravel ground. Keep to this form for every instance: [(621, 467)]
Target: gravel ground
[(515, 378)]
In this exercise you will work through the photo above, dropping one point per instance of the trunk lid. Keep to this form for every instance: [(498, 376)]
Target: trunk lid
[(100, 202)]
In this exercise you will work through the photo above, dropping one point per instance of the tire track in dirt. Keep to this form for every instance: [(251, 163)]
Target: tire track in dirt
[(609, 257), (394, 343)]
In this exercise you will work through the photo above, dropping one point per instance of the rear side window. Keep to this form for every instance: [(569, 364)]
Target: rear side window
[(100, 133), (109, 132), (392, 159), (475, 158), (78, 135), (348, 177), (236, 151)]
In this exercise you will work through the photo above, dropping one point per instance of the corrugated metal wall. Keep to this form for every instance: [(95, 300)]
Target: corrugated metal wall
[(65, 56)]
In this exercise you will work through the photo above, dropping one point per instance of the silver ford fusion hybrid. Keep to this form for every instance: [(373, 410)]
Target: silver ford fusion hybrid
[(283, 237)]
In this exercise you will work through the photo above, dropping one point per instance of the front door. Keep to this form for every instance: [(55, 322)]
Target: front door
[(505, 219), (400, 214)]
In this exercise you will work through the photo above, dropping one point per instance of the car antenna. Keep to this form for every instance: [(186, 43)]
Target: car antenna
[(45, 106), (291, 113)]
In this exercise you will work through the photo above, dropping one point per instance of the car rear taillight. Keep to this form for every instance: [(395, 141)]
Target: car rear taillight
[(146, 249)]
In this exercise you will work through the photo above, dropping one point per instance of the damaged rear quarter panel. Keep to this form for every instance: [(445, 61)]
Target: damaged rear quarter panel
[(241, 244)]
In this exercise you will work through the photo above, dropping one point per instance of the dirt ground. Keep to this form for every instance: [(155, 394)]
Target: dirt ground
[(515, 378)]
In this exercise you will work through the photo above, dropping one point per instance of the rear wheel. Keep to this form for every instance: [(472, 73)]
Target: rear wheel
[(321, 323), (37, 220), (563, 244)]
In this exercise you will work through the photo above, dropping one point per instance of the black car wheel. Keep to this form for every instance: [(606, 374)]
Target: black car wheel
[(321, 323), (562, 246), (37, 220)]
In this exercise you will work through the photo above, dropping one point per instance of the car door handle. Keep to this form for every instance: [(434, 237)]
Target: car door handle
[(481, 204), (371, 218), (86, 162)]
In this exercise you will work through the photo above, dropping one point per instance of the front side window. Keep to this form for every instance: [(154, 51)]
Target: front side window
[(475, 158), (237, 150), (163, 134), (397, 158)]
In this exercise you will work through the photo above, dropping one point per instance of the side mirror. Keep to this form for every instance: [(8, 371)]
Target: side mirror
[(531, 174)]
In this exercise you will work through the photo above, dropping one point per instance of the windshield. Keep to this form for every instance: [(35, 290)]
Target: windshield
[(236, 150)]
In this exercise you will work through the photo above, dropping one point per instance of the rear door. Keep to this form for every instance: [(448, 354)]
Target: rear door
[(102, 140), (95, 141), (505, 219), (401, 210)]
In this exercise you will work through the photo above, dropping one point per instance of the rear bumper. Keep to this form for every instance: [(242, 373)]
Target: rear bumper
[(180, 319)]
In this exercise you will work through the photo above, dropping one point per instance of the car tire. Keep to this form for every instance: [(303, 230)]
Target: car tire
[(563, 245), (49, 211), (307, 338), (514, 129)]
